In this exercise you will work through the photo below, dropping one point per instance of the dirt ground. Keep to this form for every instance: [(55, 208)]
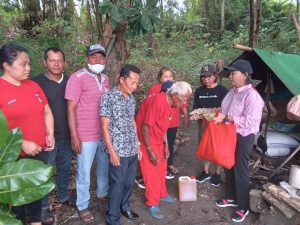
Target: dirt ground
[(202, 212)]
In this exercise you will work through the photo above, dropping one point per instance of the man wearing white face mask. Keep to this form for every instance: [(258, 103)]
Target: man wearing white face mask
[(83, 92)]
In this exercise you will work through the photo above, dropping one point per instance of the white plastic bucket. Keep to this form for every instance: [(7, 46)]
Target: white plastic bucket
[(294, 179)]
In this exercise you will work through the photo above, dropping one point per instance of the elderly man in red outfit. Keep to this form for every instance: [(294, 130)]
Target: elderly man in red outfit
[(153, 120)]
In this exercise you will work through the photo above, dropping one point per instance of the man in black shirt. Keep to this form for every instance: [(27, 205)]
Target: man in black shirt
[(53, 82)]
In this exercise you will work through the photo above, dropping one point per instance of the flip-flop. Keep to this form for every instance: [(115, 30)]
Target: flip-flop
[(86, 216), (169, 198), (155, 212), (173, 169)]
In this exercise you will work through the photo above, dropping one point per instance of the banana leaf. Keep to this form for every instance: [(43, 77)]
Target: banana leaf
[(24, 196), (23, 174), (5, 211), (3, 129), (7, 220), (10, 151)]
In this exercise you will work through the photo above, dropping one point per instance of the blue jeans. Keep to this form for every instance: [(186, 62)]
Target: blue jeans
[(60, 157), (85, 159)]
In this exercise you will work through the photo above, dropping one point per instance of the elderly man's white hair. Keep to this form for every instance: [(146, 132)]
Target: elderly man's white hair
[(182, 88)]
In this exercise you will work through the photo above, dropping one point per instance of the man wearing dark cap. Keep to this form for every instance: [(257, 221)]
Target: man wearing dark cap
[(83, 92), (209, 95), (243, 107)]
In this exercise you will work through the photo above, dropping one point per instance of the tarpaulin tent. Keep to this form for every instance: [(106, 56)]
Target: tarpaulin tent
[(283, 68), (274, 68), (278, 72)]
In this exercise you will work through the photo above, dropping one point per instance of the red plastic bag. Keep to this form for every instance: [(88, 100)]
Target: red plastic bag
[(218, 144)]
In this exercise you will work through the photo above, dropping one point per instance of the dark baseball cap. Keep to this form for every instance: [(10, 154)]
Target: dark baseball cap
[(207, 70), (95, 48), (166, 86), (240, 65)]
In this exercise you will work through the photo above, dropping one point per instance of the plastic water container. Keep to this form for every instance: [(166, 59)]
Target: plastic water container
[(187, 189)]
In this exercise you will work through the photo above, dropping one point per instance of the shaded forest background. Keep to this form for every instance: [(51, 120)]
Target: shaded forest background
[(150, 33)]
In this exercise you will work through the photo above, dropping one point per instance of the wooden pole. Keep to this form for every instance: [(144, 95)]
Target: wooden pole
[(285, 162), (242, 47)]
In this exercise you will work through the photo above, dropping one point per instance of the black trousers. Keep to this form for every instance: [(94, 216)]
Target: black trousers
[(171, 135), (121, 180), (33, 209), (237, 179)]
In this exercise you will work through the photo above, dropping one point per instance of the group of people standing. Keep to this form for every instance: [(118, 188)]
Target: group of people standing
[(58, 114)]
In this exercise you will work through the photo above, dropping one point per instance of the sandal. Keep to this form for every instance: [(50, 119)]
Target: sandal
[(173, 169), (155, 212), (47, 217), (86, 216), (169, 198)]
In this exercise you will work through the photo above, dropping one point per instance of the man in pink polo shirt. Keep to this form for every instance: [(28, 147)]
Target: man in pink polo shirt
[(83, 92)]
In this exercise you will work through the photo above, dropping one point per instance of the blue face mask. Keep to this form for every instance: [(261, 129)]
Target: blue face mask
[(96, 68)]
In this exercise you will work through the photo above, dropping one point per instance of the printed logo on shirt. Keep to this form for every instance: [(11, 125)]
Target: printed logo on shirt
[(12, 102), (209, 96), (39, 98)]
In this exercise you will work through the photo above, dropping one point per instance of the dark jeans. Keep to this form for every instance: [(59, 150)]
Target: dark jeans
[(60, 157), (121, 180), (171, 135), (237, 179), (34, 208)]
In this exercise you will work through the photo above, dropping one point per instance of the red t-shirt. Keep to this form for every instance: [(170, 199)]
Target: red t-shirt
[(157, 114), (24, 107), (154, 89), (175, 122)]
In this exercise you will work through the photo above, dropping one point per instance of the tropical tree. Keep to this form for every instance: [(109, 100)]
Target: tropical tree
[(125, 19), (21, 181)]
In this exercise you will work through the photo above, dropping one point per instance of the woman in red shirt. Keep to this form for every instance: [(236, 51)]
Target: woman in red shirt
[(166, 74), (25, 106)]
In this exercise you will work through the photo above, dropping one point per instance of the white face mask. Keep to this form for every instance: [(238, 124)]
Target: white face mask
[(96, 68)]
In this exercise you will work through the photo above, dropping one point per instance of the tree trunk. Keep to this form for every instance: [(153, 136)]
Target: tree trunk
[(222, 16), (205, 12), (49, 9), (252, 23), (298, 8), (118, 54), (257, 23), (161, 7), (67, 9), (98, 20), (108, 31), (297, 26), (89, 21), (33, 14), (151, 44)]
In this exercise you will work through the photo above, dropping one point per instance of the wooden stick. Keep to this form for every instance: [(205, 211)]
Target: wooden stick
[(285, 162), (242, 47)]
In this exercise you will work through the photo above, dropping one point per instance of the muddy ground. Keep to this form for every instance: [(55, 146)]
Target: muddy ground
[(202, 212)]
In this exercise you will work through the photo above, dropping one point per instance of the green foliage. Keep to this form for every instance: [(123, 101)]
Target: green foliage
[(277, 30), (21, 181), (53, 27), (142, 16)]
